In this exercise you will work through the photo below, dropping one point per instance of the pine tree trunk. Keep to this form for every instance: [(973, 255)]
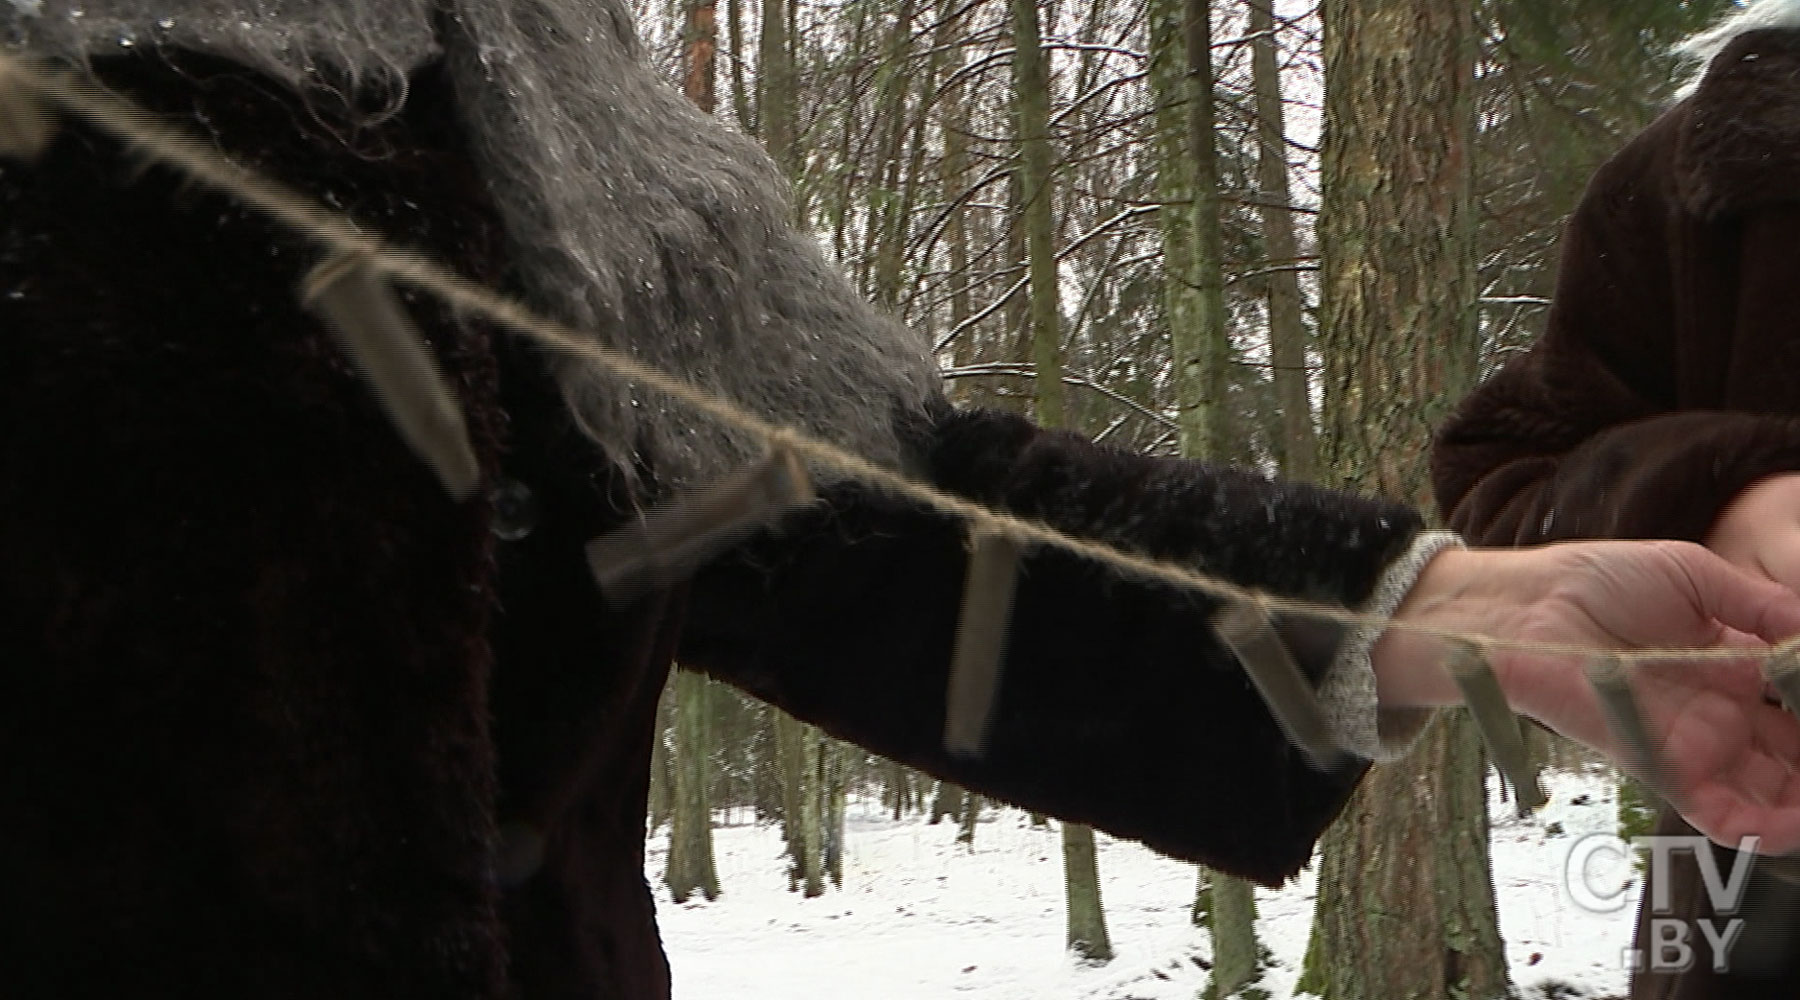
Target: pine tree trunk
[(1405, 907), (690, 830), (1298, 440), (699, 53), (1410, 910), (1087, 936), (1396, 231)]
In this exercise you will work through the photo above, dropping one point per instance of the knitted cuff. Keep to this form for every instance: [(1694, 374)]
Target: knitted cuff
[(1347, 693)]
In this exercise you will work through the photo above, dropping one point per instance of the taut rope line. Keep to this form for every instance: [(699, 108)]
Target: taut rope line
[(138, 130)]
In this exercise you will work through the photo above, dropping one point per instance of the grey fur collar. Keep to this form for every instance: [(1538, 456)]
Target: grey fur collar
[(631, 213)]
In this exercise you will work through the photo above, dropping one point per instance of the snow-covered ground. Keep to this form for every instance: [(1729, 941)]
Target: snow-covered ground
[(920, 918)]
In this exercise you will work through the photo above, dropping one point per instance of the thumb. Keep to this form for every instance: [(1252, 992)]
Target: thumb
[(1752, 606)]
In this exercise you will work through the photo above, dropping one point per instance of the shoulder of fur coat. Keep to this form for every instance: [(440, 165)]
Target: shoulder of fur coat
[(1737, 143)]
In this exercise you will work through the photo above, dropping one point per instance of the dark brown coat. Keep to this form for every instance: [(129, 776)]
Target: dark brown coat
[(268, 699), (1668, 379)]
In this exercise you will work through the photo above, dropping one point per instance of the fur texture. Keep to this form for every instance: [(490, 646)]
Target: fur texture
[(630, 214), (1699, 50), (848, 616), (249, 740), (243, 636), (1663, 385)]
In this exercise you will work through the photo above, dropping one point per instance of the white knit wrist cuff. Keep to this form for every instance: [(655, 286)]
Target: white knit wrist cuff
[(1347, 693)]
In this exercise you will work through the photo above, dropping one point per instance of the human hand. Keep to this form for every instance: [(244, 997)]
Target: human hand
[(1759, 531), (1731, 756)]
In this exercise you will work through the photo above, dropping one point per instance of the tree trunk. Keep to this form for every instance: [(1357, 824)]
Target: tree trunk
[(811, 834), (699, 53), (1237, 957), (945, 801), (1031, 99), (971, 814), (1200, 913), (740, 96), (1405, 906), (1201, 362), (1031, 96), (894, 777), (798, 746), (775, 88), (833, 760), (1412, 901), (1087, 920), (1298, 441), (1396, 230), (1188, 188), (690, 829), (662, 776), (891, 200), (1177, 188)]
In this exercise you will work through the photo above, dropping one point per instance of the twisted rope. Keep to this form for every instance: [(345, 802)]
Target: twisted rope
[(138, 130)]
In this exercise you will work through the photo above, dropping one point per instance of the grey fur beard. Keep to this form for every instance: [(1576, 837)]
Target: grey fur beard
[(630, 213)]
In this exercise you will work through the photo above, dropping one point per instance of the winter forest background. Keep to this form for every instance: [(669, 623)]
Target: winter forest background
[(1298, 265)]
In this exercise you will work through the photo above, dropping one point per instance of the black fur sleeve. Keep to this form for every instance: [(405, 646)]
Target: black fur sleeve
[(1117, 706)]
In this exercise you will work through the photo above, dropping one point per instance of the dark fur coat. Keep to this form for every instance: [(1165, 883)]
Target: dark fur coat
[(1667, 381), (273, 710)]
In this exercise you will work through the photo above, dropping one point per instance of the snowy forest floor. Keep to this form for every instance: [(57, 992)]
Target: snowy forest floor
[(922, 918)]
